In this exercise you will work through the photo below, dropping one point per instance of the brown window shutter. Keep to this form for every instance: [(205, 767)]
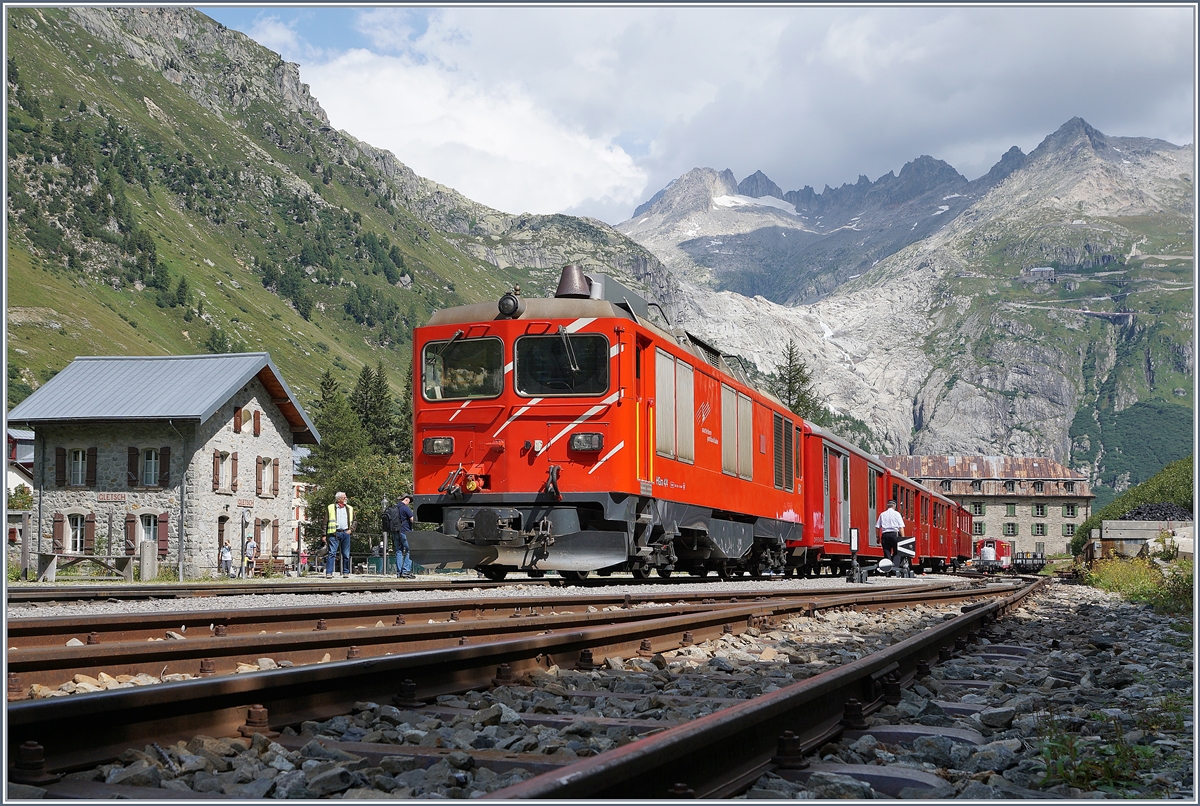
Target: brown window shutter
[(132, 466), (257, 423), (216, 470), (275, 538), (130, 533), (258, 534), (56, 532), (258, 474), (60, 467), (237, 420), (164, 466), (164, 526), (275, 477), (89, 533), (91, 467), (233, 476)]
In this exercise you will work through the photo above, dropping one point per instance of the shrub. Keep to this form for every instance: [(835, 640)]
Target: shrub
[(1167, 589), (1172, 484)]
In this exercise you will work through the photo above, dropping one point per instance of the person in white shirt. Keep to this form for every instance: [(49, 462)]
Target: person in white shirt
[(891, 529)]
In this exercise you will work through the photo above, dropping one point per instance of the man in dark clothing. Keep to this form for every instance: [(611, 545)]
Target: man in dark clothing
[(399, 519)]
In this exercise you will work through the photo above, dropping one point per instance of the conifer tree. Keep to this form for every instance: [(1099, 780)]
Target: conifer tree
[(792, 383), (360, 396), (382, 422), (404, 416)]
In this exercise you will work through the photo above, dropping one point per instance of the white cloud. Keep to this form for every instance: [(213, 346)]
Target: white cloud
[(491, 141), (592, 110)]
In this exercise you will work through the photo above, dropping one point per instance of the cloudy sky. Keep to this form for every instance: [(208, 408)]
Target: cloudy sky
[(591, 110)]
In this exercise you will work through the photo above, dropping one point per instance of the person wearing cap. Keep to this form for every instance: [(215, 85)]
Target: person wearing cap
[(399, 518), (891, 528)]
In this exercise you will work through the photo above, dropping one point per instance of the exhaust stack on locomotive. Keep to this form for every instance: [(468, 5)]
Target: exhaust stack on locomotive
[(575, 434)]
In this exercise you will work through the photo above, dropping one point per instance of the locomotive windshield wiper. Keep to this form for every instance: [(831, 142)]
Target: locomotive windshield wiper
[(562, 331), (458, 334)]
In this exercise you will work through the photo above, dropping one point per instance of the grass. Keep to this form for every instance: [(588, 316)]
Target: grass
[(1110, 765), (1167, 590)]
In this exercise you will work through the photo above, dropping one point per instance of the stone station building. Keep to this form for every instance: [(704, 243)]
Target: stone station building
[(1033, 501), (173, 450)]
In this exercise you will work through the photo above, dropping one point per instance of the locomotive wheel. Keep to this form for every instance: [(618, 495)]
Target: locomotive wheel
[(573, 576), (665, 573), (725, 573), (640, 572), (493, 573)]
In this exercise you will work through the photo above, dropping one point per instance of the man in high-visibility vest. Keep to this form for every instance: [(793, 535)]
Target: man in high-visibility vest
[(337, 534)]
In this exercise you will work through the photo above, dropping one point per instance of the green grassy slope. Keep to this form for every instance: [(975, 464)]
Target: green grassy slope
[(121, 184)]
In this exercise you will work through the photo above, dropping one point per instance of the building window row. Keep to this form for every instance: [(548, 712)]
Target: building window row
[(145, 467), (75, 533), (1010, 486), (1036, 510), (225, 473)]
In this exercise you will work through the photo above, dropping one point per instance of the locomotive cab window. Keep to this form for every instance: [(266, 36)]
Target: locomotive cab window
[(460, 369), (565, 364)]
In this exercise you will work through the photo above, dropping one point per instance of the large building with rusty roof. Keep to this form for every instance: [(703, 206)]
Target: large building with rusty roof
[(183, 452), (1033, 501)]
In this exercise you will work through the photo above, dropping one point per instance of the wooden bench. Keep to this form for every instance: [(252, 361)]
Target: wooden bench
[(260, 565)]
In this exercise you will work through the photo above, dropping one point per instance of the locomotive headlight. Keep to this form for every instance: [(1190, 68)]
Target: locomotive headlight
[(587, 442), (438, 446), (511, 306)]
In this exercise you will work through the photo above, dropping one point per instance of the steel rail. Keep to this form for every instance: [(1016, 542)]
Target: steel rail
[(219, 705), (52, 665), (719, 754), (68, 591), (28, 631)]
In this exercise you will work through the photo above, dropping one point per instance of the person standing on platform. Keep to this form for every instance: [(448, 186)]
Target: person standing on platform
[(339, 528)]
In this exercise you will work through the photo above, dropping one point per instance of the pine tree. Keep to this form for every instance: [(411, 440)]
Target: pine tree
[(360, 396), (404, 417), (382, 422), (328, 386), (343, 438), (792, 383)]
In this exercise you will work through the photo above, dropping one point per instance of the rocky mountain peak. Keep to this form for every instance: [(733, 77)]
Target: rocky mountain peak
[(691, 193), (757, 185)]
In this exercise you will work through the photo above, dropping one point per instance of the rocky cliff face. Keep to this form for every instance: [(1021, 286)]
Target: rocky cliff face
[(946, 344)]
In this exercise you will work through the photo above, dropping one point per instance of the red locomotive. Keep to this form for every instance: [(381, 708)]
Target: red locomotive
[(574, 434)]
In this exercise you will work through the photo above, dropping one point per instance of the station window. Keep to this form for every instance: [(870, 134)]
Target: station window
[(946, 485), (78, 526), (1068, 530), (1039, 530), (1068, 510), (149, 528), (78, 467), (150, 467), (1010, 530), (1039, 486), (977, 528), (976, 486), (1039, 547), (1068, 486), (1039, 510), (1010, 486), (1010, 510), (978, 508)]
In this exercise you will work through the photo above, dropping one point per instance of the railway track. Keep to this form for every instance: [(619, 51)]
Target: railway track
[(49, 652), (83, 592), (416, 678)]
